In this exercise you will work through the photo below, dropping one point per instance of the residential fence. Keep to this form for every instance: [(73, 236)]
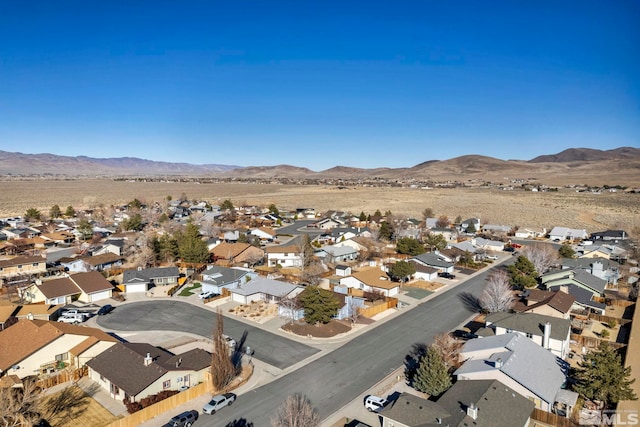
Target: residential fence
[(605, 319), (593, 342), (379, 307), (62, 377), (552, 419), (161, 407)]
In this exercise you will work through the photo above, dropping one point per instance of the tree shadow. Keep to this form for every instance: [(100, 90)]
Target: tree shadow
[(470, 302), (240, 350), (67, 404), (412, 361), (239, 423)]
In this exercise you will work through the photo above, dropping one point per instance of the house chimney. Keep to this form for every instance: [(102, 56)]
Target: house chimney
[(148, 360), (498, 363), (547, 335), (179, 362), (472, 410)]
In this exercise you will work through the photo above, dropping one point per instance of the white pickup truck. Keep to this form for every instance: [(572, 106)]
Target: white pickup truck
[(72, 318)]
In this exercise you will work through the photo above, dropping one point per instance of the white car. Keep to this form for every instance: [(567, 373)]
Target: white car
[(230, 341), (74, 318), (75, 312), (374, 403), (218, 402), (493, 257)]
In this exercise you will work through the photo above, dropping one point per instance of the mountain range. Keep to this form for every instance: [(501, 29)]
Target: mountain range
[(578, 165)]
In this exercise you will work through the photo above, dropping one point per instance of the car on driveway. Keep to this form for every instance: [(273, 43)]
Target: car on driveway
[(75, 312), (465, 335), (447, 275), (207, 294), (374, 403), (185, 419), (72, 318), (230, 341), (493, 257), (218, 402)]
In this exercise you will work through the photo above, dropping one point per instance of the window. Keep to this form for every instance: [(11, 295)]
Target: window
[(62, 357), (19, 266), (166, 385), (35, 264)]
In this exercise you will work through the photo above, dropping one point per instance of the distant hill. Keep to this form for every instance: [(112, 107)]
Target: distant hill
[(575, 165), (588, 155)]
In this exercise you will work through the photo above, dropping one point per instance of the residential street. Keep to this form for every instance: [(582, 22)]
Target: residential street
[(330, 381)]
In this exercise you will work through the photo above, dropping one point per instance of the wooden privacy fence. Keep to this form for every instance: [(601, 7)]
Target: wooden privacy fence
[(593, 342), (161, 407), (605, 319), (379, 307), (552, 419), (62, 377)]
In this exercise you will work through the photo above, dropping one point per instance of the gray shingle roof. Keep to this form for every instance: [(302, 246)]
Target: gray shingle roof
[(433, 260), (222, 275), (531, 323), (266, 286), (522, 360), (149, 274)]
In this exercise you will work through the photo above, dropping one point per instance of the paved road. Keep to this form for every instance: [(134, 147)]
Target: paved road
[(169, 315), (339, 377)]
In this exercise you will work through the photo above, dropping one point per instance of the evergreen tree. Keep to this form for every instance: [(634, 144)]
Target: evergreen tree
[(362, 217), (435, 241), (566, 251), (55, 211), (401, 270), (274, 209), (70, 212), (602, 376), (191, 247), (409, 246), (320, 305), (523, 273), (134, 223), (227, 205), (85, 228), (432, 376), (32, 214), (386, 231)]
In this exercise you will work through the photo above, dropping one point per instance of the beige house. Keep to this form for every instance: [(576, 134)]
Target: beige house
[(137, 370), (548, 303), (22, 266), (371, 279), (236, 253), (86, 287), (34, 347)]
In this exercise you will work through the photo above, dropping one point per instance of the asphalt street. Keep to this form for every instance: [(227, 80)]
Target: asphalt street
[(166, 315)]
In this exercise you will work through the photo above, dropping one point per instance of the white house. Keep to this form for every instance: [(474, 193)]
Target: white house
[(215, 278), (262, 289), (560, 234), (371, 279)]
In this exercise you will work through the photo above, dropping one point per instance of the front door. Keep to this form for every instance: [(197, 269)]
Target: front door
[(187, 380)]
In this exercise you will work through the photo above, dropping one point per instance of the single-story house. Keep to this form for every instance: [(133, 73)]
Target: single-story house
[(86, 287), (518, 363), (551, 333), (39, 347), (609, 235), (215, 278), (550, 303), (134, 371), (424, 272), (371, 279), (237, 253), (262, 289), (141, 280), (335, 254), (265, 234), (530, 232), (560, 234), (435, 260), (466, 403)]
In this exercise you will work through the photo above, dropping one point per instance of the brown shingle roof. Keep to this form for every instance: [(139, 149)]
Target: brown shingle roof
[(28, 336), (21, 260), (229, 250), (558, 300), (58, 287), (91, 282), (107, 258), (375, 278)]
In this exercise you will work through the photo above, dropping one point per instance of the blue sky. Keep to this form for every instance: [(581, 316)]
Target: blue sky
[(318, 84)]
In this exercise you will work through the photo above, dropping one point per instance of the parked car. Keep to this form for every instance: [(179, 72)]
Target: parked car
[(493, 257), (207, 295), (72, 318), (75, 312), (218, 402), (230, 341), (185, 419), (105, 309), (465, 335), (374, 403), (447, 275), (509, 249)]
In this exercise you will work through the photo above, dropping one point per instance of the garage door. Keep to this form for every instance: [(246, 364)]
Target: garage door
[(138, 287), (100, 295)]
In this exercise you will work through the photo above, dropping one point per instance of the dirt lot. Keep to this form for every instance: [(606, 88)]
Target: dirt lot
[(331, 329), (592, 212)]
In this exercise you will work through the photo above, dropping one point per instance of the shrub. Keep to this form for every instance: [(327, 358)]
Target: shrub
[(611, 323), (604, 334)]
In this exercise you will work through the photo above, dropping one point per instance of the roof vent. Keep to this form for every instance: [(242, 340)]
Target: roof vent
[(498, 363), (148, 360), (472, 411)]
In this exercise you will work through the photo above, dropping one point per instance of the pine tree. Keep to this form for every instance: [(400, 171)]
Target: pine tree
[(191, 247), (319, 305), (602, 376), (432, 376)]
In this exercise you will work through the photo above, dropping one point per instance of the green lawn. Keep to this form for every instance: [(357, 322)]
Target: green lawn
[(188, 290)]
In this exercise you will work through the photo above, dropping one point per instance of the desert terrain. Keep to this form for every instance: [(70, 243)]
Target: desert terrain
[(592, 212)]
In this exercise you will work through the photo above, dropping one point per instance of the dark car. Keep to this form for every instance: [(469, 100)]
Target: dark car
[(185, 419), (105, 309), (465, 335), (509, 249), (447, 275)]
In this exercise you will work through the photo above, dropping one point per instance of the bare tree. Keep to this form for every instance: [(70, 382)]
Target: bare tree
[(541, 255), (296, 411), (443, 221), (312, 273), (289, 308), (20, 406), (223, 370), (498, 294), (354, 310), (449, 348)]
